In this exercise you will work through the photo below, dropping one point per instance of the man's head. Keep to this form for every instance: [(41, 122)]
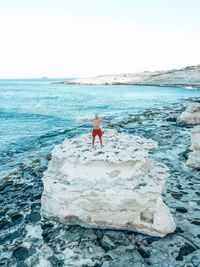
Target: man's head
[(96, 116)]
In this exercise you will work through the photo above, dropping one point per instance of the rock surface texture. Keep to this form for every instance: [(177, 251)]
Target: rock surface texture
[(191, 116), (116, 187), (194, 157)]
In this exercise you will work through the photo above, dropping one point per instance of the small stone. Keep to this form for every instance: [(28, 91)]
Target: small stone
[(144, 252), (90, 249)]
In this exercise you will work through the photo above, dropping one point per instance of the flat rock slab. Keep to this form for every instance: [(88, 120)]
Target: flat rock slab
[(116, 187)]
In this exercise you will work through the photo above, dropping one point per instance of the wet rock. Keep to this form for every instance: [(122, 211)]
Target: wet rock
[(21, 253), (33, 217), (125, 256), (171, 118), (177, 195), (107, 243), (3, 223), (184, 251), (144, 252), (16, 218), (181, 210)]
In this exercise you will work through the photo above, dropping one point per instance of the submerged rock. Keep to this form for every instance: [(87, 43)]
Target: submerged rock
[(116, 187), (194, 157), (191, 116)]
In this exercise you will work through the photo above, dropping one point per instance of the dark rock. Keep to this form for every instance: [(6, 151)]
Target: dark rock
[(171, 119), (177, 195), (21, 253), (184, 251), (3, 223), (144, 252), (56, 262), (33, 217), (16, 218), (14, 235), (195, 221), (179, 230), (107, 243), (181, 210)]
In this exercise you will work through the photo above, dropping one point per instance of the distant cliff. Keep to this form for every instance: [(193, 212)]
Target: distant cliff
[(189, 76)]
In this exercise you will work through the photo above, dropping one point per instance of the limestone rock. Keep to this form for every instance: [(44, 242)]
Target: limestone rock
[(188, 77), (194, 157), (116, 187), (191, 116)]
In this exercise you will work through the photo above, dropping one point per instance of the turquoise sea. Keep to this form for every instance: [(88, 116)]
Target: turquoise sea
[(36, 114)]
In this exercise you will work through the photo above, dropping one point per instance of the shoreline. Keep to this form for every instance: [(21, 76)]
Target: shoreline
[(193, 86), (185, 77)]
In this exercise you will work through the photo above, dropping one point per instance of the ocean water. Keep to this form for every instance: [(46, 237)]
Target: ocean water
[(35, 114)]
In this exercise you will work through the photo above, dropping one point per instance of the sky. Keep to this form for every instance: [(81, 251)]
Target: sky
[(84, 38)]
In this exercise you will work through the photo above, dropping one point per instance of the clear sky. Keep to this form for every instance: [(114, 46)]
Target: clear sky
[(80, 38)]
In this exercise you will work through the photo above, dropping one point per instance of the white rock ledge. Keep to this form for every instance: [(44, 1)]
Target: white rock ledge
[(116, 187), (191, 116), (194, 157)]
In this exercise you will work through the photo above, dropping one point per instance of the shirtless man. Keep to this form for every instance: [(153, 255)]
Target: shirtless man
[(96, 128)]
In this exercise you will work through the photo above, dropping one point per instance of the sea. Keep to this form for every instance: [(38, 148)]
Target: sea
[(36, 114)]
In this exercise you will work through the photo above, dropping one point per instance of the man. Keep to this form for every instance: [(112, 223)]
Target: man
[(96, 128)]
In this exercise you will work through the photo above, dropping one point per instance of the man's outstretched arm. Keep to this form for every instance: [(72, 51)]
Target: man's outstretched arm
[(86, 120), (106, 120)]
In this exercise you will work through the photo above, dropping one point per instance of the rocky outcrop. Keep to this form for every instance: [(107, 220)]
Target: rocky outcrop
[(191, 116), (115, 187), (188, 77), (194, 157)]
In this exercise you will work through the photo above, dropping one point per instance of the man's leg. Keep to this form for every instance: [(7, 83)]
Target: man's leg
[(100, 139), (93, 140)]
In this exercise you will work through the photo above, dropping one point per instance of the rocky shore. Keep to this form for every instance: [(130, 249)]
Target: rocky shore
[(27, 240), (188, 77)]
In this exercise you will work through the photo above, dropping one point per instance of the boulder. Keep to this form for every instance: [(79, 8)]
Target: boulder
[(194, 157), (114, 187), (191, 116)]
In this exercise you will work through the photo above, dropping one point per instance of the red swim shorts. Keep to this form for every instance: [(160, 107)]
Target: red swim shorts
[(97, 132)]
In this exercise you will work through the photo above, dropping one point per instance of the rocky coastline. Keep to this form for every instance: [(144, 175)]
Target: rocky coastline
[(27, 239), (188, 77)]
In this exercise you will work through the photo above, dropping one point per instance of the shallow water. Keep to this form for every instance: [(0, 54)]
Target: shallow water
[(35, 114)]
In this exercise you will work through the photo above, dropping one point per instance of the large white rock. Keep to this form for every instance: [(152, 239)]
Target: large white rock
[(116, 187), (194, 157), (191, 115)]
